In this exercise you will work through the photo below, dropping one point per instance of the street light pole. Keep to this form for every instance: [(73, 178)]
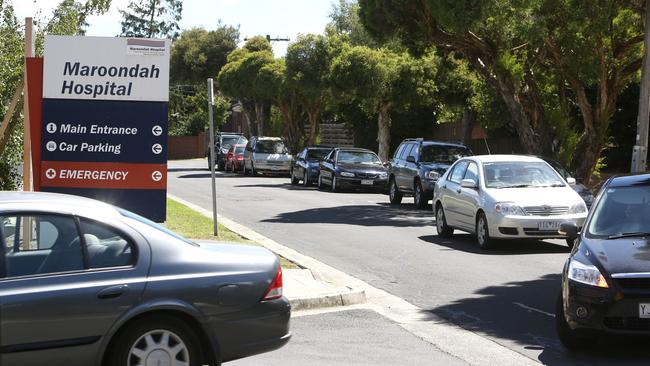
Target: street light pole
[(640, 150), (214, 185)]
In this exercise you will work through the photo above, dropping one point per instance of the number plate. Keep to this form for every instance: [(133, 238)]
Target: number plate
[(367, 182), (549, 226), (644, 310)]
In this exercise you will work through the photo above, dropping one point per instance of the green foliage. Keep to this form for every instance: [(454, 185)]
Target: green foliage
[(240, 79), (70, 16), (152, 18), (258, 43), (188, 110), (199, 54)]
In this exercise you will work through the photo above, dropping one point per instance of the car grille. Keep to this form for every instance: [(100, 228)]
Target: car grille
[(546, 210), (274, 163), (634, 283), (537, 232), (367, 175), (627, 323)]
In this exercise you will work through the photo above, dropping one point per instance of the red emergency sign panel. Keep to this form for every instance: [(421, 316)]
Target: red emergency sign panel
[(68, 174)]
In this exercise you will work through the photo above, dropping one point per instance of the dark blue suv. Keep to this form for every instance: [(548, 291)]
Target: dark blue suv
[(417, 165)]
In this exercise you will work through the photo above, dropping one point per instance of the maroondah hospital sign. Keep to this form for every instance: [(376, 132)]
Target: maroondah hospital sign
[(103, 131)]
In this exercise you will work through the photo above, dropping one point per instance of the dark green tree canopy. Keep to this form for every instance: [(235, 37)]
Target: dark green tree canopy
[(152, 18)]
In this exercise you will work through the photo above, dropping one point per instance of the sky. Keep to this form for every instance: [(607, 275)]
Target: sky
[(278, 18)]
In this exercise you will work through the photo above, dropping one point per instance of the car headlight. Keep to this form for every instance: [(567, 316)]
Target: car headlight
[(433, 175), (224, 151), (347, 174), (587, 274), (508, 209), (588, 198), (578, 208), (383, 175)]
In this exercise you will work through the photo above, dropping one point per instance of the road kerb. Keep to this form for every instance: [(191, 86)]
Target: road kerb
[(466, 345)]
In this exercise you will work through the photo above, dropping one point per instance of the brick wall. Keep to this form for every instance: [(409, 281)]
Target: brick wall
[(187, 147)]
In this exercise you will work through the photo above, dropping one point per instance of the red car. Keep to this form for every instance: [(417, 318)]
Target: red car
[(235, 158)]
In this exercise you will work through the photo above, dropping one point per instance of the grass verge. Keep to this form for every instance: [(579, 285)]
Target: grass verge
[(192, 225)]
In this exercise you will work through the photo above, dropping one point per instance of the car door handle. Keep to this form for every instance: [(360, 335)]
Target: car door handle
[(112, 292), (458, 190)]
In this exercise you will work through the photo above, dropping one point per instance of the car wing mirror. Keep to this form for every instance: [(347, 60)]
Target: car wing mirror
[(570, 229), (410, 159), (571, 181), (468, 183)]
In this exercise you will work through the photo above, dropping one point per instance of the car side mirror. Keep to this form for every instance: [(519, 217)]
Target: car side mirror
[(410, 159), (571, 181), (468, 183), (570, 229)]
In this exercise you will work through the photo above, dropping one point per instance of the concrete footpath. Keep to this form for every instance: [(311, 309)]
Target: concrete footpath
[(317, 285)]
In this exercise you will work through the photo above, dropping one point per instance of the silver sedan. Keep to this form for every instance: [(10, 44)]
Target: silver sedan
[(505, 197), (85, 283)]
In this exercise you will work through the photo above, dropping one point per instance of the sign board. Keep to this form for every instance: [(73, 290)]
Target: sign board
[(104, 121)]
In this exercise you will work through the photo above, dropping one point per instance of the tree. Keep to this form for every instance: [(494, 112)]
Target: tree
[(199, 54), (539, 56), (152, 18), (258, 43), (381, 81)]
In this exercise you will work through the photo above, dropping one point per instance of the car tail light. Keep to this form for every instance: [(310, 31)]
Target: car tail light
[(240, 157), (275, 288)]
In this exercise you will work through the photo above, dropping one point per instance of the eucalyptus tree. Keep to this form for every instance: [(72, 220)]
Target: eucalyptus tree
[(152, 18)]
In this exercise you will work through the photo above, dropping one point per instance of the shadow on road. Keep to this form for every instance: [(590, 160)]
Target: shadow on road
[(467, 243), (362, 215), (523, 313), (173, 170)]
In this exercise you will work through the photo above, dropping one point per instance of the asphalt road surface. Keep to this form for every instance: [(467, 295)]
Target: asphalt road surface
[(506, 294)]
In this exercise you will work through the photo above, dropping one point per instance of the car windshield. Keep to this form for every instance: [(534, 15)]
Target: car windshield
[(239, 150), (620, 211), (560, 169), (442, 154), (270, 147), (358, 157), (228, 141), (152, 224), (520, 174), (317, 154)]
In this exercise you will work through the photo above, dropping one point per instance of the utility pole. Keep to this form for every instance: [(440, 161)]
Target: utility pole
[(640, 150), (214, 183), (268, 38)]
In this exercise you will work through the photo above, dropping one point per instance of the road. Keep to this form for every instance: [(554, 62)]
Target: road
[(506, 294)]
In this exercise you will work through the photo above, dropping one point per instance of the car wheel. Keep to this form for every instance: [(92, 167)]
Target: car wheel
[(444, 231), (253, 172), (418, 196), (393, 192), (333, 186), (159, 340), (305, 179), (294, 180), (320, 182), (482, 232), (572, 339)]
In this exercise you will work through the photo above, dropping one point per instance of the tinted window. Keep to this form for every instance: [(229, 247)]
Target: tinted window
[(399, 151), (458, 172), (621, 210), (357, 157), (270, 147), (520, 174), (40, 244), (443, 154), (406, 152), (239, 150), (228, 141), (105, 246), (472, 172), (317, 154)]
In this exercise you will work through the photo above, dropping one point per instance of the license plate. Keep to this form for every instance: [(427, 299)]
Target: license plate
[(644, 310), (367, 182), (549, 226)]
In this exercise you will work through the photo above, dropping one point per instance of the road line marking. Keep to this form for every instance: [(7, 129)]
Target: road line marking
[(533, 309)]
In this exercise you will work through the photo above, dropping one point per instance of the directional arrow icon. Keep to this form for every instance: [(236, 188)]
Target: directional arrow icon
[(50, 173), (156, 148), (156, 176), (157, 130), (51, 128)]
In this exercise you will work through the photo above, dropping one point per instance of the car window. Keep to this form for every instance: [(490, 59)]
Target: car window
[(472, 172), (459, 172), (40, 244), (407, 151), (415, 151), (621, 210), (358, 157), (520, 174), (270, 147), (330, 156), (228, 141), (443, 154), (317, 154), (399, 151), (239, 150), (105, 246)]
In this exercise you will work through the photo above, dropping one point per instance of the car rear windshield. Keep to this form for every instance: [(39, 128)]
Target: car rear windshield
[(228, 141), (358, 157), (442, 154), (621, 210), (317, 154), (520, 175), (239, 150), (152, 224), (270, 147)]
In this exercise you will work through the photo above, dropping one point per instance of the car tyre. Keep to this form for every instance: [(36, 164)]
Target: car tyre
[(444, 231), (333, 186), (305, 179), (572, 339), (153, 336), (294, 180), (253, 172), (320, 182), (419, 198), (482, 232), (394, 194)]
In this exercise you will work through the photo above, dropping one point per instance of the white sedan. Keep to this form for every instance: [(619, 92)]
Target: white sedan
[(505, 197)]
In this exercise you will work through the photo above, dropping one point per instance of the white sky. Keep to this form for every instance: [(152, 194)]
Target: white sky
[(279, 18)]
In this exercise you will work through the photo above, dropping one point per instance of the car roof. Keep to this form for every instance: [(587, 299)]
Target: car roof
[(268, 138), (54, 202), (353, 149), (319, 147), (505, 158), (434, 142), (639, 179)]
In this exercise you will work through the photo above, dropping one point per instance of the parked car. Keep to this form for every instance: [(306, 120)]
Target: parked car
[(580, 188), (352, 168), (85, 283), (606, 280), (266, 155), (416, 167), (505, 197), (306, 165), (223, 141), (235, 158)]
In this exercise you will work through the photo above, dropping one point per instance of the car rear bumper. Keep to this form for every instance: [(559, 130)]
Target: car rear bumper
[(518, 227), (260, 329)]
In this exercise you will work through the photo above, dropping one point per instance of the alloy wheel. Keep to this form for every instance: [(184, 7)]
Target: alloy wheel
[(159, 347)]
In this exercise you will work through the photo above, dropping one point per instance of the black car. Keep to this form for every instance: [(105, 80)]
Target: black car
[(305, 167), (580, 188), (222, 143), (352, 168), (606, 280), (417, 165)]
